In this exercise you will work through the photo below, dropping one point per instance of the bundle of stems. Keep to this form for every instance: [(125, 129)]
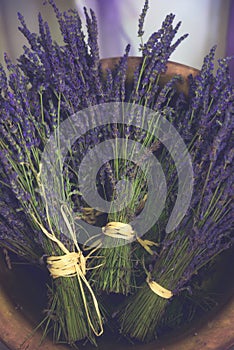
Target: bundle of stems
[(207, 228), (33, 104), (73, 307), (117, 273), (120, 278)]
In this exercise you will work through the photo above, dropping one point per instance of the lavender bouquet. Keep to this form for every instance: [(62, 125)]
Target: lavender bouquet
[(47, 85), (207, 229), (35, 98)]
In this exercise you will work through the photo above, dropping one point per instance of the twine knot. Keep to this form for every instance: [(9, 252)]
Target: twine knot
[(158, 289), (124, 231), (66, 265), (119, 230)]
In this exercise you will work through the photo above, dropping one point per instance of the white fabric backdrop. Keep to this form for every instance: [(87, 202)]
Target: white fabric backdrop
[(204, 20)]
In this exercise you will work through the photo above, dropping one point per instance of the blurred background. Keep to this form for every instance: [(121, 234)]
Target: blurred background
[(208, 22)]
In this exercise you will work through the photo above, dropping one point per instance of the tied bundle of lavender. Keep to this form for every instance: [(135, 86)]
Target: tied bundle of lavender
[(205, 121), (49, 84), (46, 85), (122, 277)]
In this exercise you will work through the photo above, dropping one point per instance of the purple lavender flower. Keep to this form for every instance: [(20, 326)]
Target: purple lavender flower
[(142, 18)]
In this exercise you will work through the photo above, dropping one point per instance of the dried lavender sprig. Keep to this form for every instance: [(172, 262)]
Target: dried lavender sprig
[(156, 52), (142, 19), (119, 78)]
